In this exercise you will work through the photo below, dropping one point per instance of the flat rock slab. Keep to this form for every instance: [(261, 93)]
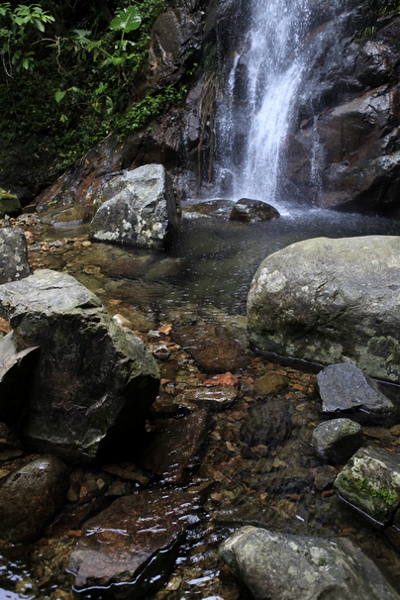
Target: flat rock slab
[(212, 347), (371, 483), (337, 440), (329, 301), (175, 446), (133, 541), (13, 255), (252, 211), (140, 209), (30, 496), (345, 388), (93, 380), (212, 398), (284, 567)]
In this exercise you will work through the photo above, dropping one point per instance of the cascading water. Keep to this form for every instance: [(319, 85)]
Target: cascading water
[(257, 105)]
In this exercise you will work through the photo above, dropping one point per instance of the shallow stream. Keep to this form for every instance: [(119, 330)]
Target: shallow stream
[(205, 278)]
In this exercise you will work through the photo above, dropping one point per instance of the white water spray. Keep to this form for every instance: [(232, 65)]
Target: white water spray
[(274, 60)]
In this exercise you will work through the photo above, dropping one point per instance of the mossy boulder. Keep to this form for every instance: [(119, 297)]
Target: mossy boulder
[(9, 204), (371, 483)]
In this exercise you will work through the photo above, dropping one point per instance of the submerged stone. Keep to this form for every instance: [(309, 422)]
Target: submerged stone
[(134, 541), (371, 483), (284, 566), (30, 496)]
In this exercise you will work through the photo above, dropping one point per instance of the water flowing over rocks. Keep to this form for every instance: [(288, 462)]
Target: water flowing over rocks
[(29, 498), (345, 388), (81, 399), (135, 541), (248, 210), (142, 209), (13, 255), (283, 567), (370, 482), (337, 440), (329, 301)]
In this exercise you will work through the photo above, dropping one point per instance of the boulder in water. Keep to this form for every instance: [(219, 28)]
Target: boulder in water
[(329, 301), (93, 381), (370, 482), (141, 209), (284, 566), (9, 204), (250, 211), (337, 440), (13, 255)]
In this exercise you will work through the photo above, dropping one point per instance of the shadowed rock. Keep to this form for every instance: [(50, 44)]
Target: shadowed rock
[(13, 255)]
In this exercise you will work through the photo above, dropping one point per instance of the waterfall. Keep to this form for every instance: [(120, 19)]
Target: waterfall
[(256, 108)]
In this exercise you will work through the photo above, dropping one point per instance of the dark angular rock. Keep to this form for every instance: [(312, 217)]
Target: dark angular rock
[(337, 440), (250, 211), (175, 446), (371, 483), (135, 540), (284, 566), (345, 388), (30, 496), (13, 255), (9, 204), (94, 380)]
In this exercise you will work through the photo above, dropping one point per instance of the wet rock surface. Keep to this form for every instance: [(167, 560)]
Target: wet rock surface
[(13, 255), (29, 498), (345, 388), (248, 211), (371, 483), (337, 440), (78, 395), (285, 566), (327, 301), (142, 209), (133, 541)]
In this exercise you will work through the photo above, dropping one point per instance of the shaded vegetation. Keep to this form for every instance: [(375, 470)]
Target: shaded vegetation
[(68, 82)]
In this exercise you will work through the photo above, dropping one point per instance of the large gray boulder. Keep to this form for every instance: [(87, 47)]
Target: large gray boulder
[(93, 380), (13, 255), (329, 301), (284, 567), (140, 209)]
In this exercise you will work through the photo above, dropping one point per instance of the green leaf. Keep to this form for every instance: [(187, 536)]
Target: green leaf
[(59, 95), (128, 20)]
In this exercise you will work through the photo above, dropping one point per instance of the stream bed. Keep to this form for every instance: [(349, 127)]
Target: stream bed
[(201, 284)]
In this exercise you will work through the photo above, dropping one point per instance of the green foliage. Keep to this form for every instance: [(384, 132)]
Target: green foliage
[(19, 27), (90, 88)]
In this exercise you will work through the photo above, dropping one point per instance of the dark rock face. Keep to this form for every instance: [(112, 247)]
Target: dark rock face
[(371, 483), (345, 388), (330, 301), (13, 255), (30, 496), (81, 398), (337, 440), (283, 566), (247, 210), (9, 204), (135, 540), (175, 446), (343, 149), (142, 209)]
